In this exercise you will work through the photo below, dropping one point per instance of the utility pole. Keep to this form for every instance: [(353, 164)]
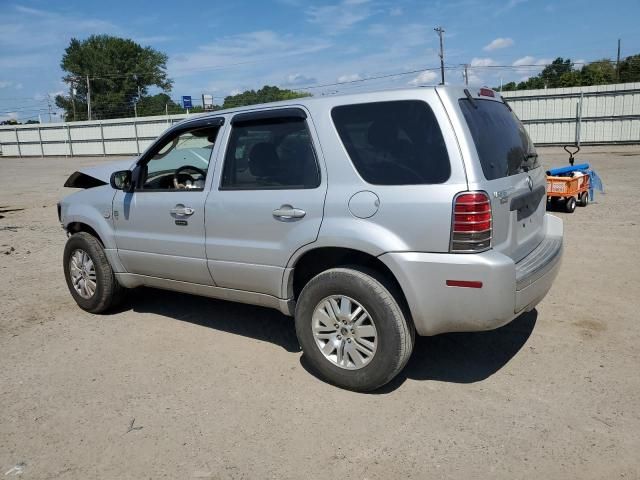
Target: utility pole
[(49, 105), (440, 32), (618, 63), (88, 99), (73, 99), (466, 74)]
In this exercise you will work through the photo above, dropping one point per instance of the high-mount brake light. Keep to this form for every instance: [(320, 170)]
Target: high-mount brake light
[(487, 92), (471, 223)]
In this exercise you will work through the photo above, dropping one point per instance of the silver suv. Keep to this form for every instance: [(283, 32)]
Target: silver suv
[(368, 217)]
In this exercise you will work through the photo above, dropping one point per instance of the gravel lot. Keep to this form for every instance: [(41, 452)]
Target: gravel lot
[(183, 387)]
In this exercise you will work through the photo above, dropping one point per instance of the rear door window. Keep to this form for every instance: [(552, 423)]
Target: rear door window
[(274, 153), (393, 143), (503, 145)]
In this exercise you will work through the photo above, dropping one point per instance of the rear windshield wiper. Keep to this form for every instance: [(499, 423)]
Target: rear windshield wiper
[(470, 98)]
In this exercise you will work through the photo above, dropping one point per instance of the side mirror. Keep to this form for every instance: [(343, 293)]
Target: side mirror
[(121, 180)]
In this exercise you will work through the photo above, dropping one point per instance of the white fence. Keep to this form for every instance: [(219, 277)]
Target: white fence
[(600, 114), (97, 137)]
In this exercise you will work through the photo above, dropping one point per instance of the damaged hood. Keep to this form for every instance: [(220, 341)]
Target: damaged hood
[(97, 175)]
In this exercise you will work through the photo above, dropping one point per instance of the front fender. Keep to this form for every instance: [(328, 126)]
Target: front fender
[(93, 207)]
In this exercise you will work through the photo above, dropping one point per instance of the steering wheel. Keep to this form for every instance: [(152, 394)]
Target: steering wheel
[(178, 171)]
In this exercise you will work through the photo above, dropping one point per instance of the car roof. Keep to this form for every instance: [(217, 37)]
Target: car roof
[(448, 90)]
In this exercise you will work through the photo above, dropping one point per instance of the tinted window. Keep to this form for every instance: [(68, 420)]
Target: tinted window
[(267, 154), (503, 145), (393, 143)]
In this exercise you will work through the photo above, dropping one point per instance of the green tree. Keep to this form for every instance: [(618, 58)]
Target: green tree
[(600, 72), (630, 69), (508, 87), (120, 73), (265, 95), (552, 73)]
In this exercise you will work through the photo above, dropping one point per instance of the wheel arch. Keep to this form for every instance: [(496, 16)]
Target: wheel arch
[(77, 227), (317, 260)]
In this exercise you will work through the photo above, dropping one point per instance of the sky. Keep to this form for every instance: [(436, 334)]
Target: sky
[(324, 47)]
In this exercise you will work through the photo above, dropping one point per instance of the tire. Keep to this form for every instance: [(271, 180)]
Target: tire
[(394, 334), (570, 204), (107, 292), (583, 201)]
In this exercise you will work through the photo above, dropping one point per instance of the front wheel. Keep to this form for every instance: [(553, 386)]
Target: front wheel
[(570, 204), (352, 329), (89, 275)]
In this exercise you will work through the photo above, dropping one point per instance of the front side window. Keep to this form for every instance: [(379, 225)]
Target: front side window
[(274, 153), (394, 143), (182, 161)]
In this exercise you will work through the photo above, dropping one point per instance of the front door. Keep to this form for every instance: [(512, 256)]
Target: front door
[(267, 201), (160, 226)]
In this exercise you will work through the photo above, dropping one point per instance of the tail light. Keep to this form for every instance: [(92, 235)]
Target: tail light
[(471, 225)]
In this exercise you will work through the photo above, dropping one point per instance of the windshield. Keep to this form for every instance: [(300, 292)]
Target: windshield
[(503, 145)]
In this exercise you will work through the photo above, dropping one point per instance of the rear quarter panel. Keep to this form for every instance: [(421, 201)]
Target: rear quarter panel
[(409, 217)]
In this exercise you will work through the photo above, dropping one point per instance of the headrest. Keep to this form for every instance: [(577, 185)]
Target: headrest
[(263, 160)]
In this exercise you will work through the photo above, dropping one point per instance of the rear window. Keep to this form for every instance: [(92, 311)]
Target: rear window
[(393, 143), (503, 145)]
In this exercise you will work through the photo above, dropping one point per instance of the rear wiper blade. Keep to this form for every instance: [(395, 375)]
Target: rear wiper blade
[(470, 98)]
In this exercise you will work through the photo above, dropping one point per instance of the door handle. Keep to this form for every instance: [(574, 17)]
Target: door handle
[(287, 212), (182, 211)]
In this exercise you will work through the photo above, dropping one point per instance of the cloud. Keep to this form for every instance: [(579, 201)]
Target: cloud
[(341, 16), (498, 43), (511, 4), (8, 116), (352, 77), (396, 11), (243, 49), (482, 62), (5, 83), (529, 65), (298, 80), (425, 78), (526, 60), (154, 39)]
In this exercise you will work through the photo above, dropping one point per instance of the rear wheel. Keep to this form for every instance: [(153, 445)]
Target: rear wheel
[(583, 201), (89, 275), (570, 204), (352, 329)]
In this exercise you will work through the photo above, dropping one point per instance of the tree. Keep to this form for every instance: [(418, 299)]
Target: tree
[(600, 72), (120, 73), (552, 73), (630, 69), (265, 95)]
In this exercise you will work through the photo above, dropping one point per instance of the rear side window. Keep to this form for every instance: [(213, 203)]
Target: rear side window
[(503, 145), (275, 153), (394, 143)]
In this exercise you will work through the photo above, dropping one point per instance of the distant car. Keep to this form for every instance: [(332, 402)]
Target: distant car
[(369, 217)]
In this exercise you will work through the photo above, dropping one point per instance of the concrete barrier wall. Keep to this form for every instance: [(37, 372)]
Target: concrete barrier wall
[(602, 114)]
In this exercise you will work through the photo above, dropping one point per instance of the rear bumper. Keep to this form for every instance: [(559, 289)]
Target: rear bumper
[(507, 290)]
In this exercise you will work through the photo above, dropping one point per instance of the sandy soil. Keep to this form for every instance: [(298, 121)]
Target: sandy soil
[(175, 386)]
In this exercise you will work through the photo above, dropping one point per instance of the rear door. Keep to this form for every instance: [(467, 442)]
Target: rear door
[(267, 200), (506, 167)]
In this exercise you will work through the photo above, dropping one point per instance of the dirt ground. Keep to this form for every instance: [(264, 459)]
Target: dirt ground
[(174, 386)]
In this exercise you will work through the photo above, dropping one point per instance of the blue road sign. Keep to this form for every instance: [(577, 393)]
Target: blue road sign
[(186, 101)]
